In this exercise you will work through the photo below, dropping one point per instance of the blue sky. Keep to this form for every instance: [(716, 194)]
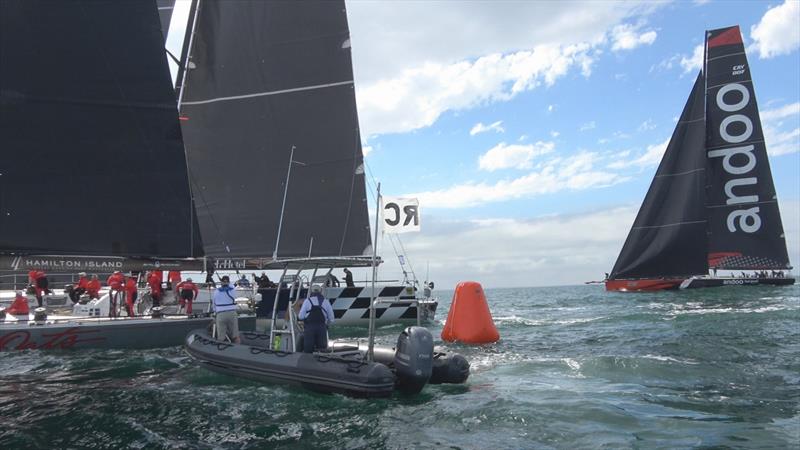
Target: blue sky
[(530, 131)]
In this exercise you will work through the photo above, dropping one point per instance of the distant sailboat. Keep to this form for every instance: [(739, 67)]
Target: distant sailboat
[(712, 203)]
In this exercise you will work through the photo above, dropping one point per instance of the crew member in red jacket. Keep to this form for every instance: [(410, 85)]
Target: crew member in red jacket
[(131, 294), (79, 288), (117, 284), (173, 279), (154, 281), (20, 305), (38, 280), (188, 293), (93, 287)]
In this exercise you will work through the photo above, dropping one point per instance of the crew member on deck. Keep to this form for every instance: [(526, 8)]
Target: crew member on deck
[(93, 287), (210, 277), (188, 292), (131, 294), (317, 314), (154, 281), (332, 281), (243, 282), (225, 311), (20, 305), (348, 278), (80, 288), (173, 278), (116, 282), (263, 281), (38, 280)]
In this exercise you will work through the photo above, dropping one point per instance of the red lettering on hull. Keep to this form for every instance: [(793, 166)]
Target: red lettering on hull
[(69, 338)]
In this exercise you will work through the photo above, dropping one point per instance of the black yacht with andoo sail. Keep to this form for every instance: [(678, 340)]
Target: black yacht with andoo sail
[(712, 204)]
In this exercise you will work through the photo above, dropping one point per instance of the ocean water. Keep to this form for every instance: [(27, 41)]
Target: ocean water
[(576, 367)]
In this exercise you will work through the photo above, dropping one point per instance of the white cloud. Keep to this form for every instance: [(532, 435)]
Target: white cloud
[(778, 31), (522, 138), (552, 250), (588, 126), (693, 63), (481, 128), (409, 71), (627, 37), (416, 97), (780, 140), (554, 134), (503, 156), (551, 108), (651, 157), (780, 113), (647, 125), (366, 150), (573, 173)]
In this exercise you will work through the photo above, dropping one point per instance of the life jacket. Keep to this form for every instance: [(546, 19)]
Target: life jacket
[(93, 288), (154, 281), (83, 283), (174, 276), (224, 300), (316, 316), (20, 306)]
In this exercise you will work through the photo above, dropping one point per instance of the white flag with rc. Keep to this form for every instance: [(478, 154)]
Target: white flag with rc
[(400, 214)]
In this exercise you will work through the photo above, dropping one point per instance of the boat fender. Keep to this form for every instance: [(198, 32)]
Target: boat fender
[(156, 312), (452, 369), (39, 314), (413, 360)]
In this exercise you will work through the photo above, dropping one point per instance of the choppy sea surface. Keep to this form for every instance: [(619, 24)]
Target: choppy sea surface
[(576, 367)]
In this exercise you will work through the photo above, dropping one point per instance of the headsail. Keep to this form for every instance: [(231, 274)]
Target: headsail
[(668, 237), (745, 230), (267, 77), (93, 161)]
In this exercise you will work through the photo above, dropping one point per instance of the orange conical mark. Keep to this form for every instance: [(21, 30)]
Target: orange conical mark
[(469, 320)]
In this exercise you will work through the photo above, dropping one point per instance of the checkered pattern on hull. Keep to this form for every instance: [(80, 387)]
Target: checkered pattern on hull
[(746, 262), (351, 304)]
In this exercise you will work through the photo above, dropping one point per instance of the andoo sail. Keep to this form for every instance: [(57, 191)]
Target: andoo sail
[(712, 203), (93, 162), (267, 78), (744, 223)]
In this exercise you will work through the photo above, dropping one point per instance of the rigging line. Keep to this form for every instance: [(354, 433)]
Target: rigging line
[(267, 93), (405, 254), (357, 148)]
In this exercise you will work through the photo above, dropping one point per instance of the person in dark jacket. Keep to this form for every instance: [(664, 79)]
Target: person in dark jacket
[(348, 277), (317, 314)]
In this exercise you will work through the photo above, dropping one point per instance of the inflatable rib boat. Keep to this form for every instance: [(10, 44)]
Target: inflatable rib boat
[(343, 368)]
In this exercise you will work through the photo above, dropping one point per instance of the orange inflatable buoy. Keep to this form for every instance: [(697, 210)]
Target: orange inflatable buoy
[(469, 320)]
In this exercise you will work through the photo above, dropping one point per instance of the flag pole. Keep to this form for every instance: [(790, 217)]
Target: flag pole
[(370, 353)]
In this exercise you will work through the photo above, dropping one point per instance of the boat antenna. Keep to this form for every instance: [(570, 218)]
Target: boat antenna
[(371, 351), (283, 204)]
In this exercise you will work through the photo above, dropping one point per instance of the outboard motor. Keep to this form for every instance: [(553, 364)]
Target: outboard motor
[(449, 369), (413, 360), (39, 314)]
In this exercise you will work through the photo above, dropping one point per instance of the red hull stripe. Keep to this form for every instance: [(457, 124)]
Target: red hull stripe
[(643, 285), (731, 36)]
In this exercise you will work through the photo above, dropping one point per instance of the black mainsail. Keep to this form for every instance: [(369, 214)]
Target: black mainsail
[(744, 223), (266, 77), (92, 155), (668, 237), (712, 203)]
